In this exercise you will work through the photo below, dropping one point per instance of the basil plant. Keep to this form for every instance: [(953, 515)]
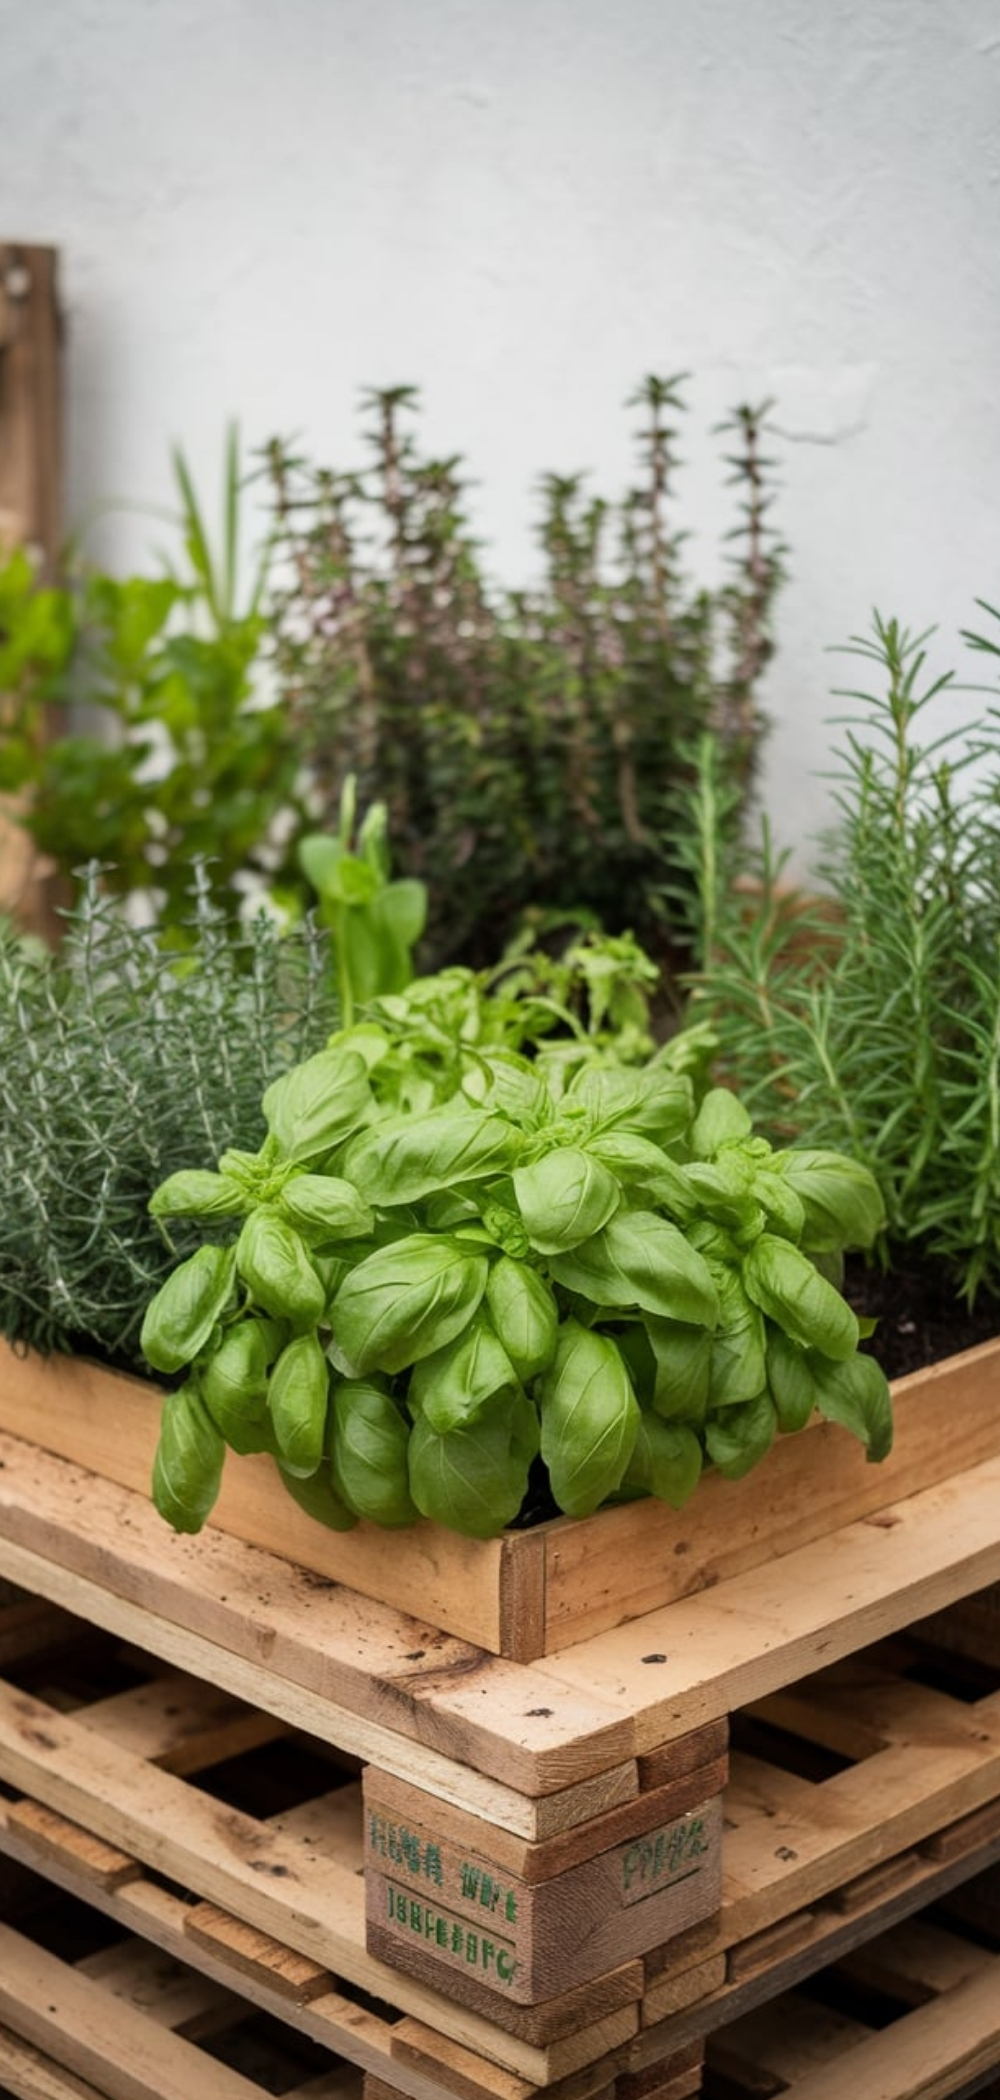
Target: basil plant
[(414, 1296)]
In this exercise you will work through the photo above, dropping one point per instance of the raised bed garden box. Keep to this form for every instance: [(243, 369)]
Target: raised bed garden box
[(534, 1592)]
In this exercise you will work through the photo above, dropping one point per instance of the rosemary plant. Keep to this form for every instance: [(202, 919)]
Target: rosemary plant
[(528, 745), (868, 1017), (120, 1064)]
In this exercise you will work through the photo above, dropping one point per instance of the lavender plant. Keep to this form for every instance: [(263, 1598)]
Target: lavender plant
[(118, 1064)]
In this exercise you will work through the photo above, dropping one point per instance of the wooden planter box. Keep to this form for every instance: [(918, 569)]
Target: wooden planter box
[(532, 1593)]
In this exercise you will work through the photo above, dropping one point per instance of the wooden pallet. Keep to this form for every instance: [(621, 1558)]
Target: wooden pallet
[(535, 1592), (853, 1798), (913, 2015), (114, 2000), (119, 1763)]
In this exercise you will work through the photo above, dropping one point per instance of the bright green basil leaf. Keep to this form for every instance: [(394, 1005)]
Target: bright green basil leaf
[(369, 1438), (785, 1213), (313, 1107), (405, 1158), (738, 1370), (277, 1270), (564, 1198), (590, 1419), (790, 1290), (317, 1496), (682, 1355), (324, 1207), (739, 1437), (524, 1314), (644, 1169), (790, 1380), (297, 1396), (511, 1087), (651, 1102), (639, 1259), (721, 1120), (451, 1385), (666, 1461), (474, 1480), (841, 1199), (187, 1469), (856, 1394), (233, 1383), (405, 1300), (194, 1194), (723, 1191), (179, 1320)]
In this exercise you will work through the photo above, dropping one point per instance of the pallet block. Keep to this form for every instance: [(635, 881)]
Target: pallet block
[(438, 1899)]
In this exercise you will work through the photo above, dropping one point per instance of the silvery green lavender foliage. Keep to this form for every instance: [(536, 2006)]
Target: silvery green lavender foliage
[(118, 1063)]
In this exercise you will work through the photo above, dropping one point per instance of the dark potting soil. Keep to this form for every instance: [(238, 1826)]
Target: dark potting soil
[(921, 1318)]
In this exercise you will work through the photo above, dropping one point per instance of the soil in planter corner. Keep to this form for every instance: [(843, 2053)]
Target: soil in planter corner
[(920, 1318)]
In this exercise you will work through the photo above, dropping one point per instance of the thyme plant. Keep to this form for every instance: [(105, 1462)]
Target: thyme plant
[(868, 1018), (528, 745)]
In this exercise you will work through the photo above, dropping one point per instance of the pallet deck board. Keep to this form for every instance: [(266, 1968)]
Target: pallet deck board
[(684, 1665), (509, 1722)]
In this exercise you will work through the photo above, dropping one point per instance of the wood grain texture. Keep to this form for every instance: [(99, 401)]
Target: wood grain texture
[(535, 1592), (438, 1909), (712, 1653)]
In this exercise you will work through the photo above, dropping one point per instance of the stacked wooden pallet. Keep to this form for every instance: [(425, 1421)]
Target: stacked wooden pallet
[(564, 1810)]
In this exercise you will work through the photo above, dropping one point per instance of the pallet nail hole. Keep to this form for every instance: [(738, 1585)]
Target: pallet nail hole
[(538, 1713), (654, 1658)]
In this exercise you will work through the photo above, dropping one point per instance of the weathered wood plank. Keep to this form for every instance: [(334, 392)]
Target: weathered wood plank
[(690, 1662), (510, 1722)]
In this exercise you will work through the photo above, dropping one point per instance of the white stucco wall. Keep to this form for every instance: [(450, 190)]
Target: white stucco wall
[(521, 206)]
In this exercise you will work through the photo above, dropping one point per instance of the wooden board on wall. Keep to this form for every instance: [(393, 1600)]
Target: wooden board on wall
[(30, 495)]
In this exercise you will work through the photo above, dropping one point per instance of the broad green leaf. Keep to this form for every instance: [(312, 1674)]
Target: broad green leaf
[(790, 1380), (316, 1105), (682, 1356), (640, 1260), (297, 1396), (590, 1419), (739, 1437), (650, 1102), (724, 1192), (785, 1213), (790, 1290), (405, 1158), (369, 1440), (738, 1369), (196, 1194), (524, 1314), (325, 1207), (317, 1496), (276, 1268), (450, 1386), (644, 1168), (178, 1322), (564, 1197), (233, 1383), (474, 1480), (406, 1300), (721, 1120), (857, 1395), (187, 1469), (841, 1199), (666, 1461)]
